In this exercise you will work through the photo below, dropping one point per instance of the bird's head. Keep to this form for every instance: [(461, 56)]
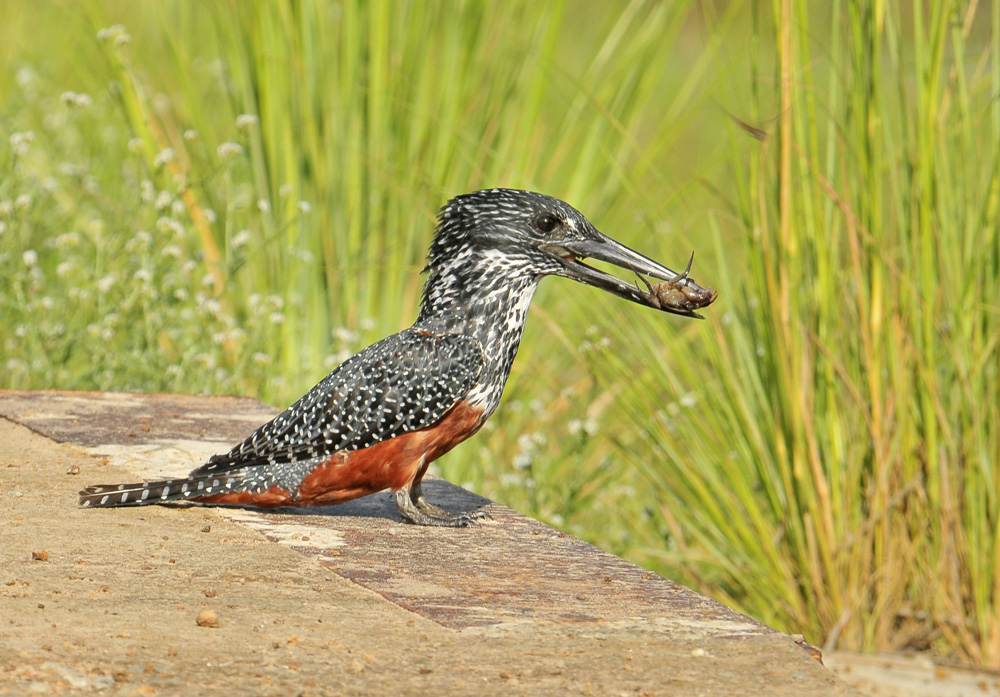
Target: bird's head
[(524, 235)]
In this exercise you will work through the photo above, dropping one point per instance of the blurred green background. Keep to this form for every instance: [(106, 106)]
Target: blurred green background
[(232, 197)]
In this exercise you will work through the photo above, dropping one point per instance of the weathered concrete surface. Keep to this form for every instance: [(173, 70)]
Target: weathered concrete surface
[(332, 601), (897, 675)]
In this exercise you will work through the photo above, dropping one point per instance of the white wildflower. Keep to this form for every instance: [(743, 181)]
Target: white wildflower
[(212, 305), (73, 99), (24, 76), (105, 284), (68, 239), (245, 122), (511, 479), (344, 335), (525, 443), (240, 238), (163, 157), (21, 137), (21, 141), (112, 32), (166, 224), (522, 461), (30, 257), (229, 150)]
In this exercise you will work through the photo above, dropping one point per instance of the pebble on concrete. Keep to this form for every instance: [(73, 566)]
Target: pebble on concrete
[(208, 618)]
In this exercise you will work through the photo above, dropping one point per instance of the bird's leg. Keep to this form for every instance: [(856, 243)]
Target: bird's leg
[(687, 271), (649, 294), (421, 502), (414, 507)]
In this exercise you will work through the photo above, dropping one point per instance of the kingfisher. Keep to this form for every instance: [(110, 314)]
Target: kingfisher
[(380, 418)]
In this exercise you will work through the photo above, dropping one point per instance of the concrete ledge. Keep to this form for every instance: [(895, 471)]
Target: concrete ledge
[(339, 600)]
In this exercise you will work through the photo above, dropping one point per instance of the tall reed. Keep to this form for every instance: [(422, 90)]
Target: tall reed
[(835, 471)]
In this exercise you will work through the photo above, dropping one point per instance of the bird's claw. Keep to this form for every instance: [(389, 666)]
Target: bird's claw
[(416, 509)]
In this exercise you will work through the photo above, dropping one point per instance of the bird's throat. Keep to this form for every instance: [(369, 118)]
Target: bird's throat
[(490, 305)]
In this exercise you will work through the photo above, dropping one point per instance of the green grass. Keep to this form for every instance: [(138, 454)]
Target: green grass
[(233, 197), (838, 464)]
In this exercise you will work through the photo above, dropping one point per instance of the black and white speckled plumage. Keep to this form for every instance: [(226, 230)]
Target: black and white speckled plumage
[(402, 383), (484, 264)]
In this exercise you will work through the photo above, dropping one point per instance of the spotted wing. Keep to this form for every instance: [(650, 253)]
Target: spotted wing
[(403, 383)]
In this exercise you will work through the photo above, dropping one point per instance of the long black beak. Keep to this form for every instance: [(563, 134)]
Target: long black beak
[(677, 293)]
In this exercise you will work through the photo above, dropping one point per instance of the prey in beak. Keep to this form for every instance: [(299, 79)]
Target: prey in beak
[(676, 293)]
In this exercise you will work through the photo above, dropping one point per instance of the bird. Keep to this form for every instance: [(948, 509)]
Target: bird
[(382, 416)]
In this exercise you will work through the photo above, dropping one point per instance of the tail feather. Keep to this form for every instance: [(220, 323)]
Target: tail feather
[(144, 493)]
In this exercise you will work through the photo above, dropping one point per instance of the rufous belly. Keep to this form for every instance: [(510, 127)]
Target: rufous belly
[(350, 474)]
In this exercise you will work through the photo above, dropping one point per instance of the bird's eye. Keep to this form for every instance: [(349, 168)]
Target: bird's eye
[(546, 222)]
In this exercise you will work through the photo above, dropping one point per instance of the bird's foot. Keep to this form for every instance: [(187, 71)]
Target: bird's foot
[(415, 508)]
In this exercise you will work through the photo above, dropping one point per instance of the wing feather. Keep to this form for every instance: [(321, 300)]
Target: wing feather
[(403, 383)]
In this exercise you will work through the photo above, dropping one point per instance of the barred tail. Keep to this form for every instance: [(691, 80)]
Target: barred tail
[(144, 493)]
